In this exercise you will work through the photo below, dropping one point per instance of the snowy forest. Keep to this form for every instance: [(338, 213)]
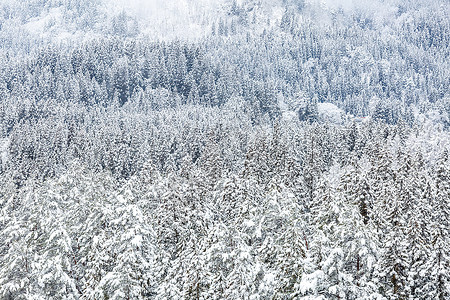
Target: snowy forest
[(229, 149)]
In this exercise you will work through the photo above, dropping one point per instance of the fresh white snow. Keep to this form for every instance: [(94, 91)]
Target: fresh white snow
[(330, 113), (4, 144)]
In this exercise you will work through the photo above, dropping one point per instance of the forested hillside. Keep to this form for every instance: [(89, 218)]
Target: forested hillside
[(224, 149)]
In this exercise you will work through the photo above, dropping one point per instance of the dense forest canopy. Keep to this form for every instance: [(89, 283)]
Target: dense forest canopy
[(239, 150)]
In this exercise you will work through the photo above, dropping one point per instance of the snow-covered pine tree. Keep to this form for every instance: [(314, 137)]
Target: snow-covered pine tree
[(438, 263), (131, 243), (358, 240), (394, 260)]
